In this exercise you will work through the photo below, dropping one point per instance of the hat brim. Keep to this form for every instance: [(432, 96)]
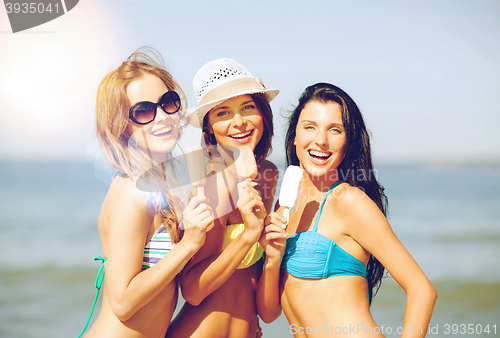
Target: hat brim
[(197, 114)]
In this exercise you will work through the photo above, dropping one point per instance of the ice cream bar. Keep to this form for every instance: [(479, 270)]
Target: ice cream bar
[(290, 189), (246, 167), (196, 166)]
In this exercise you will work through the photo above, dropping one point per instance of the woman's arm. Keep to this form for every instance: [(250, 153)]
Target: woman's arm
[(200, 279), (273, 240), (211, 268), (367, 225), (130, 217)]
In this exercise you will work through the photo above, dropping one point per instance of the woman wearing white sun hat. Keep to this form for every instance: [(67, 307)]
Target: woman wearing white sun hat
[(219, 283)]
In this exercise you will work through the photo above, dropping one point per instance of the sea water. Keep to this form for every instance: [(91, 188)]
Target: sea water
[(447, 217)]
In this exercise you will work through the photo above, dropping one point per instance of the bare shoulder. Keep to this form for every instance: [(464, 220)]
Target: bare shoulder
[(352, 201), (125, 210), (123, 194), (356, 211)]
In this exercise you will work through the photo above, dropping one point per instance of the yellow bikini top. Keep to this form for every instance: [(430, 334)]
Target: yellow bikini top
[(233, 230), (255, 252)]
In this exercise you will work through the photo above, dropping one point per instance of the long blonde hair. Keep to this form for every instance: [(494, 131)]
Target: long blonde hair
[(114, 131)]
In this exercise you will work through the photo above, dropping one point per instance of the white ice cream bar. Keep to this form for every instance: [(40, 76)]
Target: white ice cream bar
[(196, 166), (246, 167), (290, 189)]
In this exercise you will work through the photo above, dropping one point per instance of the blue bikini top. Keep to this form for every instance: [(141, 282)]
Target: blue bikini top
[(311, 255)]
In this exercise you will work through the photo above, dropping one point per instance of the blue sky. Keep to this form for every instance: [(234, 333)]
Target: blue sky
[(424, 73)]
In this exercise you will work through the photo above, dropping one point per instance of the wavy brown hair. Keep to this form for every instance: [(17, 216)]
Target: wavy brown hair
[(113, 131)]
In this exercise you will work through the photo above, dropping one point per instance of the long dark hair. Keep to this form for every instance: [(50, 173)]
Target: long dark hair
[(356, 168)]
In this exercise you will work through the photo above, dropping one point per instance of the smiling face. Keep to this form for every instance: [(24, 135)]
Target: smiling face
[(320, 138), (236, 122), (160, 135)]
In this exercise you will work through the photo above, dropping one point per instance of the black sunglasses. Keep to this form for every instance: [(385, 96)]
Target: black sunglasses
[(144, 112)]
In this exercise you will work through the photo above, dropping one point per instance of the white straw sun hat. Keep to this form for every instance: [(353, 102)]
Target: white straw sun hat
[(220, 80)]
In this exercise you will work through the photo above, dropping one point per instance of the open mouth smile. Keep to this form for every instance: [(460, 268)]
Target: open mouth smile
[(242, 136), (163, 132), (319, 157)]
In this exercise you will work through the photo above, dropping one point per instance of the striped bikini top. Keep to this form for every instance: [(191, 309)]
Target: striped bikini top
[(311, 255), (159, 245)]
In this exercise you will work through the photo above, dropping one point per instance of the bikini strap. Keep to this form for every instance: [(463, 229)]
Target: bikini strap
[(315, 228), (98, 284)]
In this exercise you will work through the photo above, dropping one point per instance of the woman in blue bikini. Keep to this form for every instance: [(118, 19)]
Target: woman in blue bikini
[(340, 239), (138, 115)]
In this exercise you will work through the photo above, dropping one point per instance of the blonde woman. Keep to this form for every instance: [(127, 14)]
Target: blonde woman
[(138, 115), (219, 283)]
